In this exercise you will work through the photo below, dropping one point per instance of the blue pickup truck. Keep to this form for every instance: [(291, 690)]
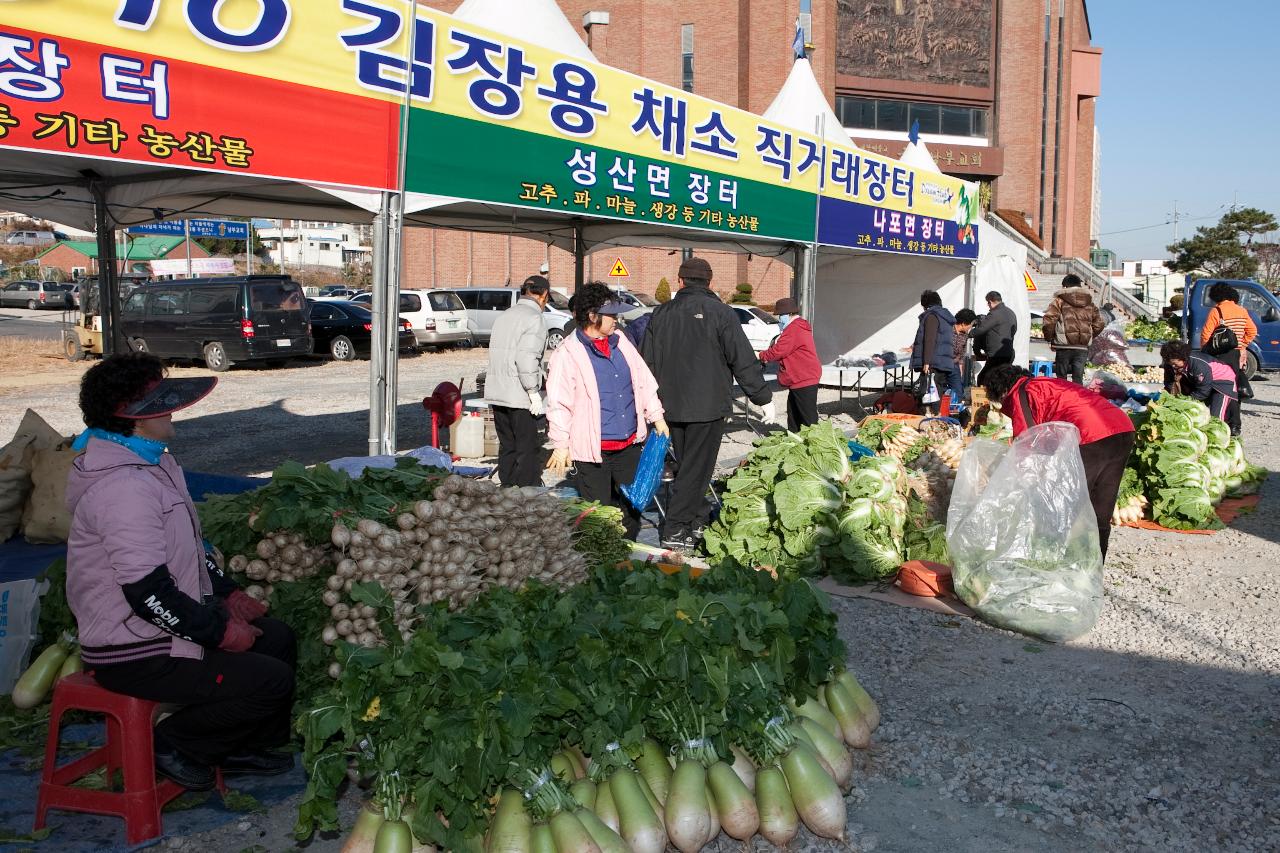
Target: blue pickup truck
[(1263, 307)]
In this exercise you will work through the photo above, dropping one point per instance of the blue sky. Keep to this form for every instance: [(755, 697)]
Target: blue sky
[(1189, 112)]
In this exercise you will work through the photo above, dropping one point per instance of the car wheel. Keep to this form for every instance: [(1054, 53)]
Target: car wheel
[(1250, 366), (555, 338), (32, 305), (139, 345), (215, 357), (342, 349), (71, 347)]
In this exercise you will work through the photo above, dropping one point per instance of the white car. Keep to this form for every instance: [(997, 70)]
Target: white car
[(641, 303), (761, 327), (436, 316)]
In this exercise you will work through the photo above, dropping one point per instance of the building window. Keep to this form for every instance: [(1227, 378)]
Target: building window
[(806, 20), (686, 57), (942, 119)]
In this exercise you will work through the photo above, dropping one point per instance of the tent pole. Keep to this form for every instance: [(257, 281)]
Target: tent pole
[(391, 327), (809, 282), (579, 257), (108, 291), (797, 274), (377, 352)]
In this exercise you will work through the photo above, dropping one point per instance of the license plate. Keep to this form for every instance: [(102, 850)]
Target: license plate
[(453, 324), (280, 343)]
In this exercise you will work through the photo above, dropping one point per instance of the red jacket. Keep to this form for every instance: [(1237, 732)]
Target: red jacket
[(1060, 400), (796, 354)]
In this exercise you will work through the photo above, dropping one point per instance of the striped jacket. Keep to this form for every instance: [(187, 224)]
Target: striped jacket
[(1234, 317)]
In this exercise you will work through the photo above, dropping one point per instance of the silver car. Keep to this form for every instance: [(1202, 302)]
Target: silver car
[(483, 305)]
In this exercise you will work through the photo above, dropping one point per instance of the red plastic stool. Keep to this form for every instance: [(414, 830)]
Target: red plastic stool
[(129, 747)]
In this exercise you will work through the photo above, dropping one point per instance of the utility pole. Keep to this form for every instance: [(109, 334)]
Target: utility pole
[(1175, 220)]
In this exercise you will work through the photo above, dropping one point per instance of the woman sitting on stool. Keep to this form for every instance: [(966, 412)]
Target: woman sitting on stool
[(158, 619)]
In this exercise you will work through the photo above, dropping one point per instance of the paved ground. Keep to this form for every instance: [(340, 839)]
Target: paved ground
[(1158, 731), (21, 323)]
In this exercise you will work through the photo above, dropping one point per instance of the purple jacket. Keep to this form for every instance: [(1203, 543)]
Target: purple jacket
[(128, 517)]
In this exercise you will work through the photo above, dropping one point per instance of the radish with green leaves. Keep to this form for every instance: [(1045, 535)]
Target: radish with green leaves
[(509, 832), (639, 825), (365, 833), (779, 821), (688, 818), (831, 750), (739, 816), (814, 792), (653, 766)]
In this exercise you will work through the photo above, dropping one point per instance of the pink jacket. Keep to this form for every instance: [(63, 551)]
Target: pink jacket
[(573, 403)]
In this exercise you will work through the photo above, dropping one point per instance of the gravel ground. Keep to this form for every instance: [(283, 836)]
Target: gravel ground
[(1157, 731)]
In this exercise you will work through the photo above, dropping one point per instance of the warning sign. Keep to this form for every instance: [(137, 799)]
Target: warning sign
[(619, 269), (1031, 282)]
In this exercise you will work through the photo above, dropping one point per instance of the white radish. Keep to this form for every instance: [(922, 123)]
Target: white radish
[(739, 816)]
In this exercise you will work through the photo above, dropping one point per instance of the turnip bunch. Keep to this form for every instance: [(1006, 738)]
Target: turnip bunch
[(471, 537), (280, 556)]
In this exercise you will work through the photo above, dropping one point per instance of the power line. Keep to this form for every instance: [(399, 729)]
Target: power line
[(1180, 218)]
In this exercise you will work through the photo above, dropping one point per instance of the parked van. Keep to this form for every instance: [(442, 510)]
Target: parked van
[(484, 303), (1263, 308), (29, 238), (221, 320)]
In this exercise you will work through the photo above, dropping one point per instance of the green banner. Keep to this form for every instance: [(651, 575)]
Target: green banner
[(475, 160)]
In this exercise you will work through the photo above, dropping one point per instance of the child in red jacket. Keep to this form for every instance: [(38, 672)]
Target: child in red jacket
[(798, 367)]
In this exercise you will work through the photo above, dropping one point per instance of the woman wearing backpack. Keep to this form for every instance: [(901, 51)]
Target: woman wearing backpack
[(1227, 312)]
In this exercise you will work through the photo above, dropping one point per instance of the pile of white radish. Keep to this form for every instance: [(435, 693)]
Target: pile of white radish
[(1129, 511), (686, 796), (903, 440), (472, 536), (280, 556)]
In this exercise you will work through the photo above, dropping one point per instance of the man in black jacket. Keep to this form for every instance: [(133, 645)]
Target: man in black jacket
[(993, 334), (695, 347)]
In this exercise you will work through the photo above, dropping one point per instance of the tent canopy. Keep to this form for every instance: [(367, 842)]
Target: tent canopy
[(540, 22), (801, 104)]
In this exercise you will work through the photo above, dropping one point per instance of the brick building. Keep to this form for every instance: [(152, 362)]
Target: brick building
[(80, 257), (1003, 92)]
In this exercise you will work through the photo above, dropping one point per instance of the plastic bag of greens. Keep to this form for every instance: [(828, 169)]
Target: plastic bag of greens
[(1023, 536)]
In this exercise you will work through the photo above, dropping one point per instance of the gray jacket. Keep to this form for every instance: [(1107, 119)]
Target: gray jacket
[(993, 334), (515, 355)]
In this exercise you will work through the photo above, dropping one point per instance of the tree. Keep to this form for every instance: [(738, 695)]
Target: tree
[(742, 295), (663, 293), (1224, 250), (1268, 255)]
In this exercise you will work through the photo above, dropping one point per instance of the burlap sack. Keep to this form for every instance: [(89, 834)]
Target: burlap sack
[(15, 468), (46, 519)]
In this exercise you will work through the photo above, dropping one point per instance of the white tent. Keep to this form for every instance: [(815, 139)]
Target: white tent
[(539, 22), (869, 302), (801, 104), (917, 155)]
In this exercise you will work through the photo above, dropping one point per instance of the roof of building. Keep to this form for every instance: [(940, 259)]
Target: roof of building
[(139, 248)]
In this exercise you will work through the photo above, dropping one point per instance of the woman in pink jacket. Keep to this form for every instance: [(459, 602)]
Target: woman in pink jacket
[(600, 399)]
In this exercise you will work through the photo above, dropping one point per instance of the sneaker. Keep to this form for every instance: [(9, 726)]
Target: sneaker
[(681, 540)]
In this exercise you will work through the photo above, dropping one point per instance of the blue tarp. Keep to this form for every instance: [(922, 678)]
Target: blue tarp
[(20, 560)]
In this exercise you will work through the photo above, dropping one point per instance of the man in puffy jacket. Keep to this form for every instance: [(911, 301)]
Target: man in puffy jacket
[(696, 348), (157, 618), (513, 385), (933, 353), (799, 370), (993, 334), (1106, 433), (1070, 323)]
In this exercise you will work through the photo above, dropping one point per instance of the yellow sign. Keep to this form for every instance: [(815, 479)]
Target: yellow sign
[(1031, 282), (619, 269)]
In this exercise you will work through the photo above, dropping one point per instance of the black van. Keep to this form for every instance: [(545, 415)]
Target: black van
[(221, 320)]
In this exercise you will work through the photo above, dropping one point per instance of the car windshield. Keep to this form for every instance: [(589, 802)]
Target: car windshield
[(646, 300), (445, 302), (764, 315), (559, 301)]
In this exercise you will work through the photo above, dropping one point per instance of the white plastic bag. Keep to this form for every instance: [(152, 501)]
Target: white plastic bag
[(19, 618), (1023, 535), (930, 393)]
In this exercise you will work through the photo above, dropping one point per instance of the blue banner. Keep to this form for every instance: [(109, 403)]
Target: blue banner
[(862, 226), (218, 229)]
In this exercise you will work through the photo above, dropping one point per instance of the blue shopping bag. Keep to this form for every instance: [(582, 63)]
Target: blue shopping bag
[(649, 472)]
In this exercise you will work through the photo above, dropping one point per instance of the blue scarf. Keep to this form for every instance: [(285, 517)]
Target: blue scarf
[(148, 448)]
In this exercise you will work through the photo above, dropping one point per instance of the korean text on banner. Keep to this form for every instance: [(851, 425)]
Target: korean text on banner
[(253, 88), (597, 141)]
